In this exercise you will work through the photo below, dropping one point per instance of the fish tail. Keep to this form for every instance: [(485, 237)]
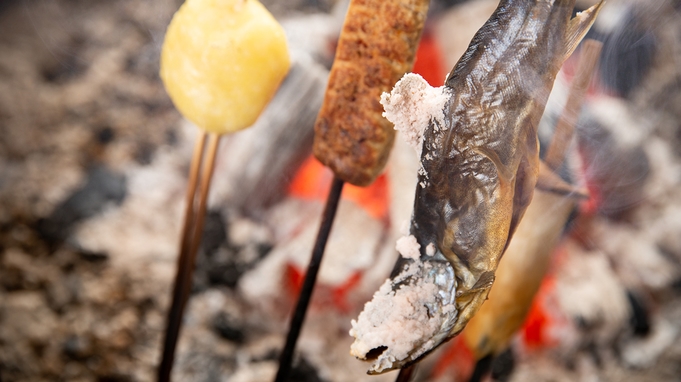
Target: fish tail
[(578, 26)]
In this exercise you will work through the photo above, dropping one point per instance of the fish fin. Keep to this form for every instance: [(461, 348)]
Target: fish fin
[(578, 27), (550, 182), (484, 282), (525, 182), (505, 173)]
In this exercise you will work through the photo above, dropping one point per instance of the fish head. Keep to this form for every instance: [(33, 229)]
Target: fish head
[(409, 316)]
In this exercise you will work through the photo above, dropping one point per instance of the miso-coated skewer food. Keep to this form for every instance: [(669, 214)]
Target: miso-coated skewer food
[(477, 138), (376, 47)]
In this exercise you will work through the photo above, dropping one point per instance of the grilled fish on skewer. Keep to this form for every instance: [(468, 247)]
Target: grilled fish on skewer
[(480, 165)]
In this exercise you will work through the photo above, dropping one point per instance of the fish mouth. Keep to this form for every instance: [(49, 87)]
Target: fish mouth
[(410, 315)]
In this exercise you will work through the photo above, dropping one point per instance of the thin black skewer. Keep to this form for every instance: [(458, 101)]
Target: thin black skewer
[(286, 358), (406, 373), (482, 368)]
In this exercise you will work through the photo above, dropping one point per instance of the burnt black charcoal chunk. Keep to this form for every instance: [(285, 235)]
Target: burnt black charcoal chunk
[(66, 63), (93, 257), (68, 68), (227, 274), (482, 368), (503, 365), (639, 320), (303, 371), (627, 56), (171, 138), (144, 153), (228, 327), (102, 186), (105, 135), (214, 232), (77, 347)]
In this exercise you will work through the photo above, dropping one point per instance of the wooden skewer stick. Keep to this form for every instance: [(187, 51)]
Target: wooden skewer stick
[(206, 178), (190, 238), (591, 51)]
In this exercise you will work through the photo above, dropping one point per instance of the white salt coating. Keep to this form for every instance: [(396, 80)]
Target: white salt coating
[(411, 105), (408, 247), (430, 249), (398, 320)]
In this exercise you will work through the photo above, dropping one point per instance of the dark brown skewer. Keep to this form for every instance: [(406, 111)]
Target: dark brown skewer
[(190, 238), (406, 373), (286, 357), (352, 138)]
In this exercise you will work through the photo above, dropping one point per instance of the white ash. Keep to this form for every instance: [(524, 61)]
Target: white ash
[(351, 249), (665, 171), (457, 26), (132, 235), (412, 105), (256, 371), (398, 320), (635, 254), (588, 289), (644, 352), (628, 128)]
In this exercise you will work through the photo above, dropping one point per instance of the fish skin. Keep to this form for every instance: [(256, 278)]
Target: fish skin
[(480, 165), (489, 332)]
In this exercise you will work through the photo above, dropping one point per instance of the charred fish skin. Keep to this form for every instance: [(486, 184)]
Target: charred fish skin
[(481, 164)]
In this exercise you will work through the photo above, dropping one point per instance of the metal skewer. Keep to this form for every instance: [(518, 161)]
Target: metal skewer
[(190, 238), (286, 357)]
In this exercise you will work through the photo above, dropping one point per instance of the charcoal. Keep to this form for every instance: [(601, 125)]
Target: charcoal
[(502, 366), (102, 186), (627, 55), (639, 320), (228, 327)]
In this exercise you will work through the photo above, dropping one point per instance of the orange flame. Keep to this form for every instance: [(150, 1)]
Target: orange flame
[(312, 182)]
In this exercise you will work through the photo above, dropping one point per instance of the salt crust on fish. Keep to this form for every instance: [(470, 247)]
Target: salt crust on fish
[(411, 105), (408, 247), (398, 319)]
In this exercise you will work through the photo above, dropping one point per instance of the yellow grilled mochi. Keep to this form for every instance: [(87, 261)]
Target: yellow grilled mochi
[(222, 61)]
